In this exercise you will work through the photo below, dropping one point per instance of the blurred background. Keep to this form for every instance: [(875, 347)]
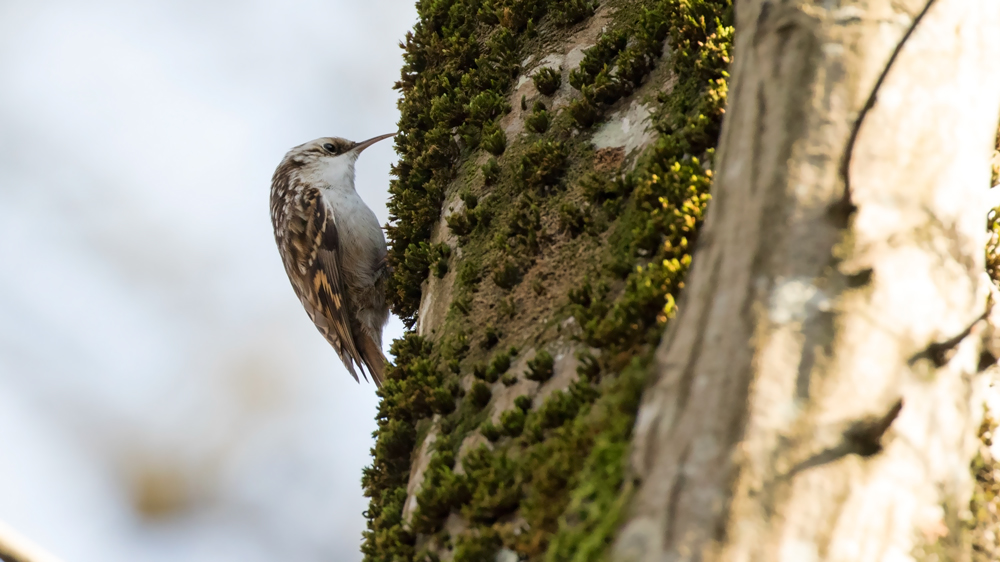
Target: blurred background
[(162, 394)]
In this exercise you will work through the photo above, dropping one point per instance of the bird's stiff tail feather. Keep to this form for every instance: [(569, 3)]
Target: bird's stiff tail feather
[(371, 354)]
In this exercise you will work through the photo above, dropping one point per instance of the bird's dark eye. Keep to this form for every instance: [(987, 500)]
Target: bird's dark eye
[(330, 148)]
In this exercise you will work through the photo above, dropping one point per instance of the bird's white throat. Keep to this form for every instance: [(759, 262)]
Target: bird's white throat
[(356, 223), (338, 171)]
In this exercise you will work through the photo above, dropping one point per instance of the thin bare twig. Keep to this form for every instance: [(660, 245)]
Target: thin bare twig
[(845, 163)]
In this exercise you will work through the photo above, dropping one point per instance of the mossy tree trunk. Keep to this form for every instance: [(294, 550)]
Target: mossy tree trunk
[(818, 395), (555, 160)]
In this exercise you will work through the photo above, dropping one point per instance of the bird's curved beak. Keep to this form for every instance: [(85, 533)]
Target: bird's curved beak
[(358, 147)]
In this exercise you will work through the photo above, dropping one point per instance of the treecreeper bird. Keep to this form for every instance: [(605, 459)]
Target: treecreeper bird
[(333, 249)]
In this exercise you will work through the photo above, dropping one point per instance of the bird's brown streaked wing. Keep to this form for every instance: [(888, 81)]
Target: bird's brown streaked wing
[(323, 292), (335, 299)]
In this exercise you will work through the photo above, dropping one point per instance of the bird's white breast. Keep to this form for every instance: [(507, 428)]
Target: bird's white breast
[(362, 242)]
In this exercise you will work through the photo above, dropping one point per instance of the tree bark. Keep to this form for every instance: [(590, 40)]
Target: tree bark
[(817, 396)]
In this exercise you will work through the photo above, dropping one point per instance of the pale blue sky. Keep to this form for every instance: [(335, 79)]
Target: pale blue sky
[(147, 331)]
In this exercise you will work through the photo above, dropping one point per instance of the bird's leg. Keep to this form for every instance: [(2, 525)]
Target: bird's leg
[(382, 268)]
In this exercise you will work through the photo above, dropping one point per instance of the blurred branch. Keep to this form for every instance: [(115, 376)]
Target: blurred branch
[(14, 547)]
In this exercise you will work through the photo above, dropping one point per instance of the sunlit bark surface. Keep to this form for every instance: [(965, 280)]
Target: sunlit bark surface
[(818, 395)]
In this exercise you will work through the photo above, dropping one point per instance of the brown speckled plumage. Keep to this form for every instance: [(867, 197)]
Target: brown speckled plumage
[(333, 249)]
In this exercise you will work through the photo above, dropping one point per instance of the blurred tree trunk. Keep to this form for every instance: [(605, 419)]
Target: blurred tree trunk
[(818, 395)]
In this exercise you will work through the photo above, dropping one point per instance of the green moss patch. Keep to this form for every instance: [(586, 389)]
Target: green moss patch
[(551, 249)]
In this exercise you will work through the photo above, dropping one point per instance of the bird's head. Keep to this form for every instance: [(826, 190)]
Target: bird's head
[(329, 159)]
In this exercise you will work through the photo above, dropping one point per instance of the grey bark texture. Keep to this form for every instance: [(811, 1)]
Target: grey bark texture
[(818, 395)]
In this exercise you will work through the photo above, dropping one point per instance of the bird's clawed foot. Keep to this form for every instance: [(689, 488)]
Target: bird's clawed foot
[(382, 268)]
